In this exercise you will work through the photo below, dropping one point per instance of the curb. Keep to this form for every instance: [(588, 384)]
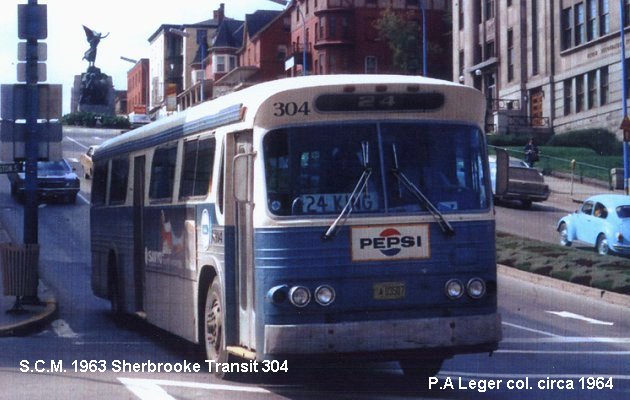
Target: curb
[(568, 287), (36, 321)]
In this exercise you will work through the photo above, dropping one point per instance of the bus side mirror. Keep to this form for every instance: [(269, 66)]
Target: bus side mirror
[(242, 165), (503, 175)]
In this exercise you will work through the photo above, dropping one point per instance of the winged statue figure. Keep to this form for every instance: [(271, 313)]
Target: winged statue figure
[(93, 39)]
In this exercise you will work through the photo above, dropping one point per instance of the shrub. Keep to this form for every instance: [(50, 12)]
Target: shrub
[(507, 140), (90, 119), (601, 141)]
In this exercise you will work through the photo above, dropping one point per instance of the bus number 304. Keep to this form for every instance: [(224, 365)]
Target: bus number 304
[(291, 109)]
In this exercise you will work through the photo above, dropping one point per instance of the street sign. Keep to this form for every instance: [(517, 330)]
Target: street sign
[(13, 104), (13, 143), (41, 72), (7, 168), (42, 51), (32, 21)]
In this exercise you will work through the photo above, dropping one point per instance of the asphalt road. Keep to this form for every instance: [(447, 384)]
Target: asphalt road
[(556, 345)]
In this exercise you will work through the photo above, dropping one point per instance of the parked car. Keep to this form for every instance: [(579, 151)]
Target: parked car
[(86, 162), (56, 180), (603, 221), (525, 184)]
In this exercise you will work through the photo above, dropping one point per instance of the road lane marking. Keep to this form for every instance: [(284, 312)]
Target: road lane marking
[(151, 389), (566, 352), (521, 375), (566, 314), (524, 328), (86, 201), (62, 329), (77, 142), (568, 339)]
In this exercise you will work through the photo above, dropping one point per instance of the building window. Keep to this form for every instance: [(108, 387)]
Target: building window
[(282, 53), (628, 77), (579, 93), (321, 27), (371, 65), (604, 18), (461, 65), (489, 9), (460, 9), (567, 28), (219, 65), (509, 3), (592, 89), (568, 96), (332, 27), (580, 28), (490, 49), (626, 14), (604, 90), (591, 17), (510, 55), (535, 33)]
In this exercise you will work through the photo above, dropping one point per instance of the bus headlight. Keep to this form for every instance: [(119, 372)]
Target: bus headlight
[(299, 296), (324, 295), (454, 289), (476, 288)]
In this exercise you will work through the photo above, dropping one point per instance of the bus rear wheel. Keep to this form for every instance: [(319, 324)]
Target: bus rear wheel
[(214, 327), (420, 369)]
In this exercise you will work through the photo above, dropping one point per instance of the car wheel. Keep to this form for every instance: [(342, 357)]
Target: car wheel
[(602, 245), (564, 235)]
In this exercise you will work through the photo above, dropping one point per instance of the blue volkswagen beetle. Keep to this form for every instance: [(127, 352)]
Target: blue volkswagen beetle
[(602, 221)]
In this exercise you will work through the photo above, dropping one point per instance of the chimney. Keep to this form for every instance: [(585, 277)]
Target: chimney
[(219, 14)]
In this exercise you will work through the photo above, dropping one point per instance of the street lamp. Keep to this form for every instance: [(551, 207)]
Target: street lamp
[(624, 92), (424, 37), (284, 3)]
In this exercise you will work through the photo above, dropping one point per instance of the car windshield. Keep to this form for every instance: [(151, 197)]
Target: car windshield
[(316, 170), (52, 167), (623, 211)]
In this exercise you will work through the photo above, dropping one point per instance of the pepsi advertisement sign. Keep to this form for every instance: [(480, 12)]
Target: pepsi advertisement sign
[(390, 242)]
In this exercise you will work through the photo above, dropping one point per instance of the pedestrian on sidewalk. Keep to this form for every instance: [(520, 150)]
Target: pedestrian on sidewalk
[(531, 153)]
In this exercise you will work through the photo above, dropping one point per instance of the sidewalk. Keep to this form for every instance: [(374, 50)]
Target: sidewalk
[(31, 317)]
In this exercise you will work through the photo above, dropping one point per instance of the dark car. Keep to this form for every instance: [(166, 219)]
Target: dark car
[(56, 180)]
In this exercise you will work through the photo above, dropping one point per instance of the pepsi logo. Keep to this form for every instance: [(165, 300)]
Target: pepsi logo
[(390, 242)]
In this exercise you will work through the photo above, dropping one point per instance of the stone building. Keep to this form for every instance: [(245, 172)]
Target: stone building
[(545, 66)]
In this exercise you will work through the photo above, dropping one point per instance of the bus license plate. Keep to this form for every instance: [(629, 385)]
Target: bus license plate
[(389, 290)]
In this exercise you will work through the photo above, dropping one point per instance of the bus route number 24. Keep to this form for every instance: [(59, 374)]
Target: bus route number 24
[(291, 109)]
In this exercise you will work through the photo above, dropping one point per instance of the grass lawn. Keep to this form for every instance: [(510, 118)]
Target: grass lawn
[(573, 265)]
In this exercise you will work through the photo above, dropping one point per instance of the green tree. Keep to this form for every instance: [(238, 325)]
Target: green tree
[(402, 38)]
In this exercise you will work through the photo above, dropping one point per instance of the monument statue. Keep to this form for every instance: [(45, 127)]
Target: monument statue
[(95, 92), (93, 39)]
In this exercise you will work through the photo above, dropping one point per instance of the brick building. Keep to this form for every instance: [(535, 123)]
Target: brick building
[(138, 87)]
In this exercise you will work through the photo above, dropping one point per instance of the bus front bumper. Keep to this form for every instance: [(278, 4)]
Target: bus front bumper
[(389, 335)]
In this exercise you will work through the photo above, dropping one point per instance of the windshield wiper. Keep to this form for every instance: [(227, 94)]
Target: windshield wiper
[(354, 196), (446, 227)]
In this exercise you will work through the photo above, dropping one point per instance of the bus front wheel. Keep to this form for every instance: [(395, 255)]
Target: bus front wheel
[(214, 327)]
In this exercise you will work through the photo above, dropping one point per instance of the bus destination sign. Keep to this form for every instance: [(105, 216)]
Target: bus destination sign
[(421, 102)]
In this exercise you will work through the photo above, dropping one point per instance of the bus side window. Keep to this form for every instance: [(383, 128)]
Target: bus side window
[(118, 184), (99, 183), (163, 172), (196, 175)]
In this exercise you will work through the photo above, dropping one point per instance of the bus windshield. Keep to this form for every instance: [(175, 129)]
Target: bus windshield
[(317, 170)]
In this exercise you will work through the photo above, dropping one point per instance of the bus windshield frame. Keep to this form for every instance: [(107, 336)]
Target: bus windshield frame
[(315, 170)]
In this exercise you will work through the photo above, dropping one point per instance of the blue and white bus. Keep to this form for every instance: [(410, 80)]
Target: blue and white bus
[(314, 217)]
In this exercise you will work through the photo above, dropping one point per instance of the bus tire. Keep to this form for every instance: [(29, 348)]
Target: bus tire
[(419, 370), (214, 327)]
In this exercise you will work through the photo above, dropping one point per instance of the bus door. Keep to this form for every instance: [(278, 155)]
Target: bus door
[(138, 231), (243, 191)]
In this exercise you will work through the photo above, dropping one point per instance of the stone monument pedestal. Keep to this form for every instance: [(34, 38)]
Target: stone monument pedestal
[(96, 92)]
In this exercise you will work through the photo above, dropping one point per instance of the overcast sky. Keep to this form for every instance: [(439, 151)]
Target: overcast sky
[(129, 23)]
